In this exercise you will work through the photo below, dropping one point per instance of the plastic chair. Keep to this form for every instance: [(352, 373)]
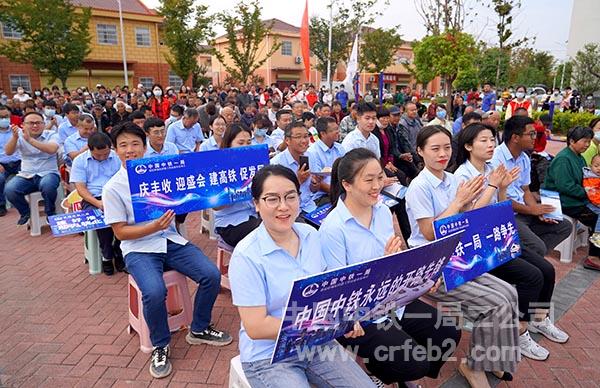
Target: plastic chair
[(577, 238), (179, 307), (237, 378), (207, 222), (35, 221), (222, 249)]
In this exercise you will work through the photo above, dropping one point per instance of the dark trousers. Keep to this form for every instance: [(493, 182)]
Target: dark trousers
[(527, 278), (233, 234), (11, 168), (403, 221), (586, 217), (384, 348), (109, 245), (537, 238)]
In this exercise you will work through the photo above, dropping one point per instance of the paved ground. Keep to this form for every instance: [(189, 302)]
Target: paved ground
[(61, 327)]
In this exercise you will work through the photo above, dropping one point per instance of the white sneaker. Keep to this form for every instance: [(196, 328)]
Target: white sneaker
[(549, 330), (531, 349)]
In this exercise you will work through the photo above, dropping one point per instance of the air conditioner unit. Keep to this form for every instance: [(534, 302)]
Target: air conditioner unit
[(298, 60)]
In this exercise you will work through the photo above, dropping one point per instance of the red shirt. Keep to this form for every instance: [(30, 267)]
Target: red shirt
[(540, 140)]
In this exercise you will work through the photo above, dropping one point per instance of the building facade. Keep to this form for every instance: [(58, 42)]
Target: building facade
[(144, 49), (286, 66), (585, 25)]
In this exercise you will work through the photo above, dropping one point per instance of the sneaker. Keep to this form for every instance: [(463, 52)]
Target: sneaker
[(107, 267), (210, 336), (378, 383), (531, 349), (23, 220), (595, 239), (120, 264), (160, 366), (2, 210), (549, 330)]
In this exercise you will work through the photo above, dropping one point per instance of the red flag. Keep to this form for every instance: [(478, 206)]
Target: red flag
[(305, 41)]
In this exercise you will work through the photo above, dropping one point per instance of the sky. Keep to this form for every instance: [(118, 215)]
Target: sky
[(546, 20)]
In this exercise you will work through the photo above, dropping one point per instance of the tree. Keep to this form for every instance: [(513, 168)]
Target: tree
[(529, 67), (487, 64), (444, 55), (565, 79), (185, 28), (378, 49), (466, 79), (586, 69), (440, 16), (55, 37), (199, 78), (345, 26), (504, 10), (245, 32)]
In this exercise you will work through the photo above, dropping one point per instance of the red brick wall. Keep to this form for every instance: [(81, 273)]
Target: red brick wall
[(8, 68)]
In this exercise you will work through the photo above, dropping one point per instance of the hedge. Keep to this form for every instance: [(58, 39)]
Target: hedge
[(563, 121)]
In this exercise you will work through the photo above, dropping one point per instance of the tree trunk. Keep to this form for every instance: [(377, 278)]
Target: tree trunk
[(63, 81)]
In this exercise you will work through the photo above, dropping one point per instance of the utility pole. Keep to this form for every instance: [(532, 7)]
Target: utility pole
[(329, 46)]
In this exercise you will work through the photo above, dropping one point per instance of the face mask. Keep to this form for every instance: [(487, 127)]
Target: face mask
[(37, 93), (170, 92), (556, 93), (148, 94), (590, 98), (597, 136), (46, 94), (86, 94), (174, 118), (157, 92), (4, 122), (49, 112), (261, 132), (520, 94), (441, 114), (89, 102)]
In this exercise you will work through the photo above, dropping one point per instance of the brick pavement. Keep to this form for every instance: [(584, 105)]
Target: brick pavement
[(61, 327)]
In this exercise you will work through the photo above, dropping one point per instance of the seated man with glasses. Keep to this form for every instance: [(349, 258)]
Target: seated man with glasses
[(39, 169), (538, 234), (297, 139), (157, 145)]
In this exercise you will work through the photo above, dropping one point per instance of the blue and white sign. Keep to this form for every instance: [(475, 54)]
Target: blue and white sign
[(490, 239), (193, 181), (76, 222), (323, 307), (316, 217)]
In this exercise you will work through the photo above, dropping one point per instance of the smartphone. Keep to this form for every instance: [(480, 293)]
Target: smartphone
[(304, 161)]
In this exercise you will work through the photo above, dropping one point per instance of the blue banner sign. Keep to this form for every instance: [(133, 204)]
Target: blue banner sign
[(76, 222), (490, 239), (323, 307), (316, 217), (193, 181)]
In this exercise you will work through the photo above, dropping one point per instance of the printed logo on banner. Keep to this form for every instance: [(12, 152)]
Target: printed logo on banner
[(75, 222), (491, 239), (323, 307), (193, 181)]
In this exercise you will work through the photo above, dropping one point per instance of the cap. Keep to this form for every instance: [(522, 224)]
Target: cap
[(98, 86), (394, 110)]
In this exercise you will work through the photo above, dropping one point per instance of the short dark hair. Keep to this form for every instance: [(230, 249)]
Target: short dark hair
[(579, 132), (99, 141), (51, 103), (364, 107), (308, 116), (515, 126), (294, 124), (191, 113), (4, 107), (153, 122), (471, 116), (178, 109), (32, 113), (137, 114), (281, 113), (322, 123), (383, 112), (258, 181), (68, 108), (232, 131), (127, 127)]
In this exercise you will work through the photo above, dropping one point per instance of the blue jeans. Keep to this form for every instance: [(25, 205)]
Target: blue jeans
[(147, 270), (596, 210), (18, 187), (335, 369), (11, 168)]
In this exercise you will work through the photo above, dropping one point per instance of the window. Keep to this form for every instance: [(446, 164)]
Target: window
[(142, 36), (147, 82), (286, 47), (107, 33), (174, 80), (19, 81), (9, 32)]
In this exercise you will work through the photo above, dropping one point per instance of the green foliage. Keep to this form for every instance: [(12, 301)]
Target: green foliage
[(378, 48), (199, 78), (466, 79), (487, 63), (530, 67), (245, 32), (55, 37), (562, 121), (586, 69), (185, 28), (444, 55), (345, 26)]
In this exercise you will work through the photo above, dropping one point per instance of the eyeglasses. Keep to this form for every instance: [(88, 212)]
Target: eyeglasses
[(532, 134), (273, 201), (32, 123)]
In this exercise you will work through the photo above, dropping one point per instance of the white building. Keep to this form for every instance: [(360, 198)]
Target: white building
[(585, 25)]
